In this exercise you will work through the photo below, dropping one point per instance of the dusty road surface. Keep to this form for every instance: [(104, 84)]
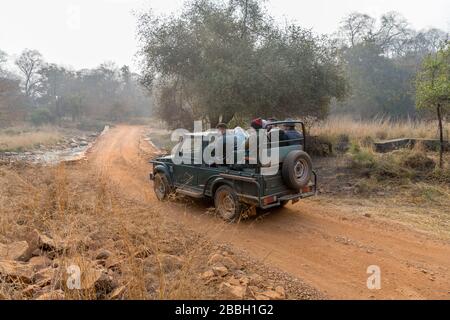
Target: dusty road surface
[(329, 250)]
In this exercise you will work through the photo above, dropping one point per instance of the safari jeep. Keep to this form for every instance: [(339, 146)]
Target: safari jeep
[(232, 186)]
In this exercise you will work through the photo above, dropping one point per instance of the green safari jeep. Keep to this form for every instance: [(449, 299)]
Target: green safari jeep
[(231, 186)]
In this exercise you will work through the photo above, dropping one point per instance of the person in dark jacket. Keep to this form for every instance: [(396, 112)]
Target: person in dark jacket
[(291, 134), (273, 130)]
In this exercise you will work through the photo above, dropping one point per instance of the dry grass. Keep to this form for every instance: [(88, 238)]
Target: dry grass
[(150, 255), (377, 129), (24, 138), (83, 212)]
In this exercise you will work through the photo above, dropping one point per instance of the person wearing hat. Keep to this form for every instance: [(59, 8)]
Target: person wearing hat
[(292, 135), (257, 124), (274, 130), (222, 128)]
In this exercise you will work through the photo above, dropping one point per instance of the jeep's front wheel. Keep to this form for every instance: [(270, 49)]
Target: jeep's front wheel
[(227, 203), (161, 186)]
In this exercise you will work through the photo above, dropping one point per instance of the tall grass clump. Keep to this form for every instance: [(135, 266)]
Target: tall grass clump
[(19, 139), (376, 129)]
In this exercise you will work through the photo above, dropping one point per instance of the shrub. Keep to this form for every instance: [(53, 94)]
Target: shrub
[(367, 141), (378, 166), (343, 143), (362, 158), (419, 162), (40, 117)]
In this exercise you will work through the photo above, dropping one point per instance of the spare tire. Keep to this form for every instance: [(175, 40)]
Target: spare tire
[(297, 169)]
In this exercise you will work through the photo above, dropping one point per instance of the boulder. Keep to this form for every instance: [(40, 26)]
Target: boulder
[(15, 251), (170, 262), (40, 262), (16, 271), (90, 277), (113, 263), (215, 258), (277, 294), (255, 279), (103, 254), (236, 291), (36, 240), (260, 296), (230, 263), (105, 284), (220, 271), (226, 260), (207, 275), (244, 280), (44, 276)]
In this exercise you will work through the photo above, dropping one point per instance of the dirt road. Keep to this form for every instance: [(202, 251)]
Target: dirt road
[(329, 250)]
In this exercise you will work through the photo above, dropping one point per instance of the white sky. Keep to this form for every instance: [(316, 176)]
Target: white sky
[(85, 33)]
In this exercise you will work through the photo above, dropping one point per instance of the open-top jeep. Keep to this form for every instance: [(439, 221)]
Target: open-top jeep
[(232, 185)]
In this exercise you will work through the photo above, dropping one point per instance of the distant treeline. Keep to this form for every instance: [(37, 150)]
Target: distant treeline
[(220, 60), (228, 59), (43, 92)]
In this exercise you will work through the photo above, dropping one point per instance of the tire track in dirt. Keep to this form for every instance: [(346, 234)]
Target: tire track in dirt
[(327, 250)]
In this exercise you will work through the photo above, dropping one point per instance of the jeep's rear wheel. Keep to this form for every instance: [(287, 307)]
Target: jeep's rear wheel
[(227, 203), (161, 186)]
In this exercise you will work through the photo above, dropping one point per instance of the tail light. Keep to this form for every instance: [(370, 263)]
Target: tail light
[(269, 200), (307, 189)]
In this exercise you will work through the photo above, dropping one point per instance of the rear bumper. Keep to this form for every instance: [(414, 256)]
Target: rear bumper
[(294, 197), (259, 201)]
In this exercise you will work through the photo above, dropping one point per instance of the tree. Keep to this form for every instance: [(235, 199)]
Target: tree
[(356, 27), (393, 33), (222, 58), (29, 63), (433, 88), (381, 59), (379, 86)]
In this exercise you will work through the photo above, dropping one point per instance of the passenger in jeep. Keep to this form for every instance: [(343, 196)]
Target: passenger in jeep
[(292, 135), (274, 130)]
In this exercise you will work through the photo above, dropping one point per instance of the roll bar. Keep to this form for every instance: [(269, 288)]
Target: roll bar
[(292, 122)]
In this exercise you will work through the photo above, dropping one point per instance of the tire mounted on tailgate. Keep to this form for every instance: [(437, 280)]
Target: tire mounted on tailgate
[(297, 169)]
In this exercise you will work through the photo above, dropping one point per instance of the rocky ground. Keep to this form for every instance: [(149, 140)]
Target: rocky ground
[(73, 144), (36, 269)]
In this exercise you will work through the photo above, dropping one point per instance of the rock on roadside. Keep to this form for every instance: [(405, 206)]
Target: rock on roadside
[(16, 271), (15, 251)]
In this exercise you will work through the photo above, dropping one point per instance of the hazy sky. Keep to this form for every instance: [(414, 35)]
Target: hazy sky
[(85, 33)]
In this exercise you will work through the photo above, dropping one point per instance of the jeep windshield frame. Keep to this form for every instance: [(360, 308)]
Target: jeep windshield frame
[(294, 122)]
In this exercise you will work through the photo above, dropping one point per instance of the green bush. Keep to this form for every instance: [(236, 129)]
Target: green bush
[(386, 166), (362, 158), (41, 116)]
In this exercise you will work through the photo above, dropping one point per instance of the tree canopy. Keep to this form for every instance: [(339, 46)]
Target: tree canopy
[(381, 58), (218, 59), (433, 81)]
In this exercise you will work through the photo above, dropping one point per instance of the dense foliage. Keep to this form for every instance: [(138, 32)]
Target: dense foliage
[(381, 62), (218, 59)]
